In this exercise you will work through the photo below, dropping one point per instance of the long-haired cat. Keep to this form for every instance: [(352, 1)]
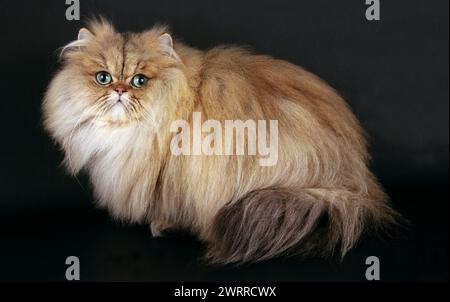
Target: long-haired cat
[(110, 108)]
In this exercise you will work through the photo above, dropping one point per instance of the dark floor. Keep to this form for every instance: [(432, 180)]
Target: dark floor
[(35, 243)]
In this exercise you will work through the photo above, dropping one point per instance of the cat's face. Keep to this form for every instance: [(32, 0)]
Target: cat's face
[(117, 78)]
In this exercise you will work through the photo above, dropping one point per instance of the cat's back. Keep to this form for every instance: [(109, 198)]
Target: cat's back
[(244, 82), (236, 67)]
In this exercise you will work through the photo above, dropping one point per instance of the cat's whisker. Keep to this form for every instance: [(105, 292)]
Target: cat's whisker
[(131, 106), (103, 108), (148, 116), (134, 112)]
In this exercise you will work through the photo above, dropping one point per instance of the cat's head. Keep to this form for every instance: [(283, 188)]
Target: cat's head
[(116, 79)]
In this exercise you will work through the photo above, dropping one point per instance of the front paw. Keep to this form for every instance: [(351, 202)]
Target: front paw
[(157, 229)]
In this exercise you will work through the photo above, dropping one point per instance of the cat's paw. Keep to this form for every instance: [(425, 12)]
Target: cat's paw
[(157, 228)]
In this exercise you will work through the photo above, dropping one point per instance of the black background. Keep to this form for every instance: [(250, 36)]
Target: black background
[(393, 73)]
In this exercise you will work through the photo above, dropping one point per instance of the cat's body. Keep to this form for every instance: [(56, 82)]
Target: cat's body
[(244, 211)]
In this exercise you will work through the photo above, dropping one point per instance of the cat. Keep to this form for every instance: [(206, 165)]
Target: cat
[(110, 107)]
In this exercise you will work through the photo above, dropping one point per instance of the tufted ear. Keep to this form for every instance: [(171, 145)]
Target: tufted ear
[(84, 34), (167, 43)]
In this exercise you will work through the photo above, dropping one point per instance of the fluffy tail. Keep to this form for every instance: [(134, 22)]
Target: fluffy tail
[(270, 222)]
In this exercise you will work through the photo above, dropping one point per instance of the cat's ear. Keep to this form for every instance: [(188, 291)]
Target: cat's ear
[(166, 40), (83, 37), (167, 44), (84, 34)]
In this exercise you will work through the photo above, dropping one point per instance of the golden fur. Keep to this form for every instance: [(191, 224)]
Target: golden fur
[(320, 195)]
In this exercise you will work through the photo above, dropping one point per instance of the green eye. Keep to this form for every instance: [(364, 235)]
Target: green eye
[(103, 78), (139, 80)]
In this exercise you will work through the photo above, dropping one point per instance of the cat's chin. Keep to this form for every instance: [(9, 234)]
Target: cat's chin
[(118, 112), (117, 116)]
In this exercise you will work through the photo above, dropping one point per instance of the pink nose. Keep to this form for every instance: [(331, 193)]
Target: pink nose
[(120, 90)]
